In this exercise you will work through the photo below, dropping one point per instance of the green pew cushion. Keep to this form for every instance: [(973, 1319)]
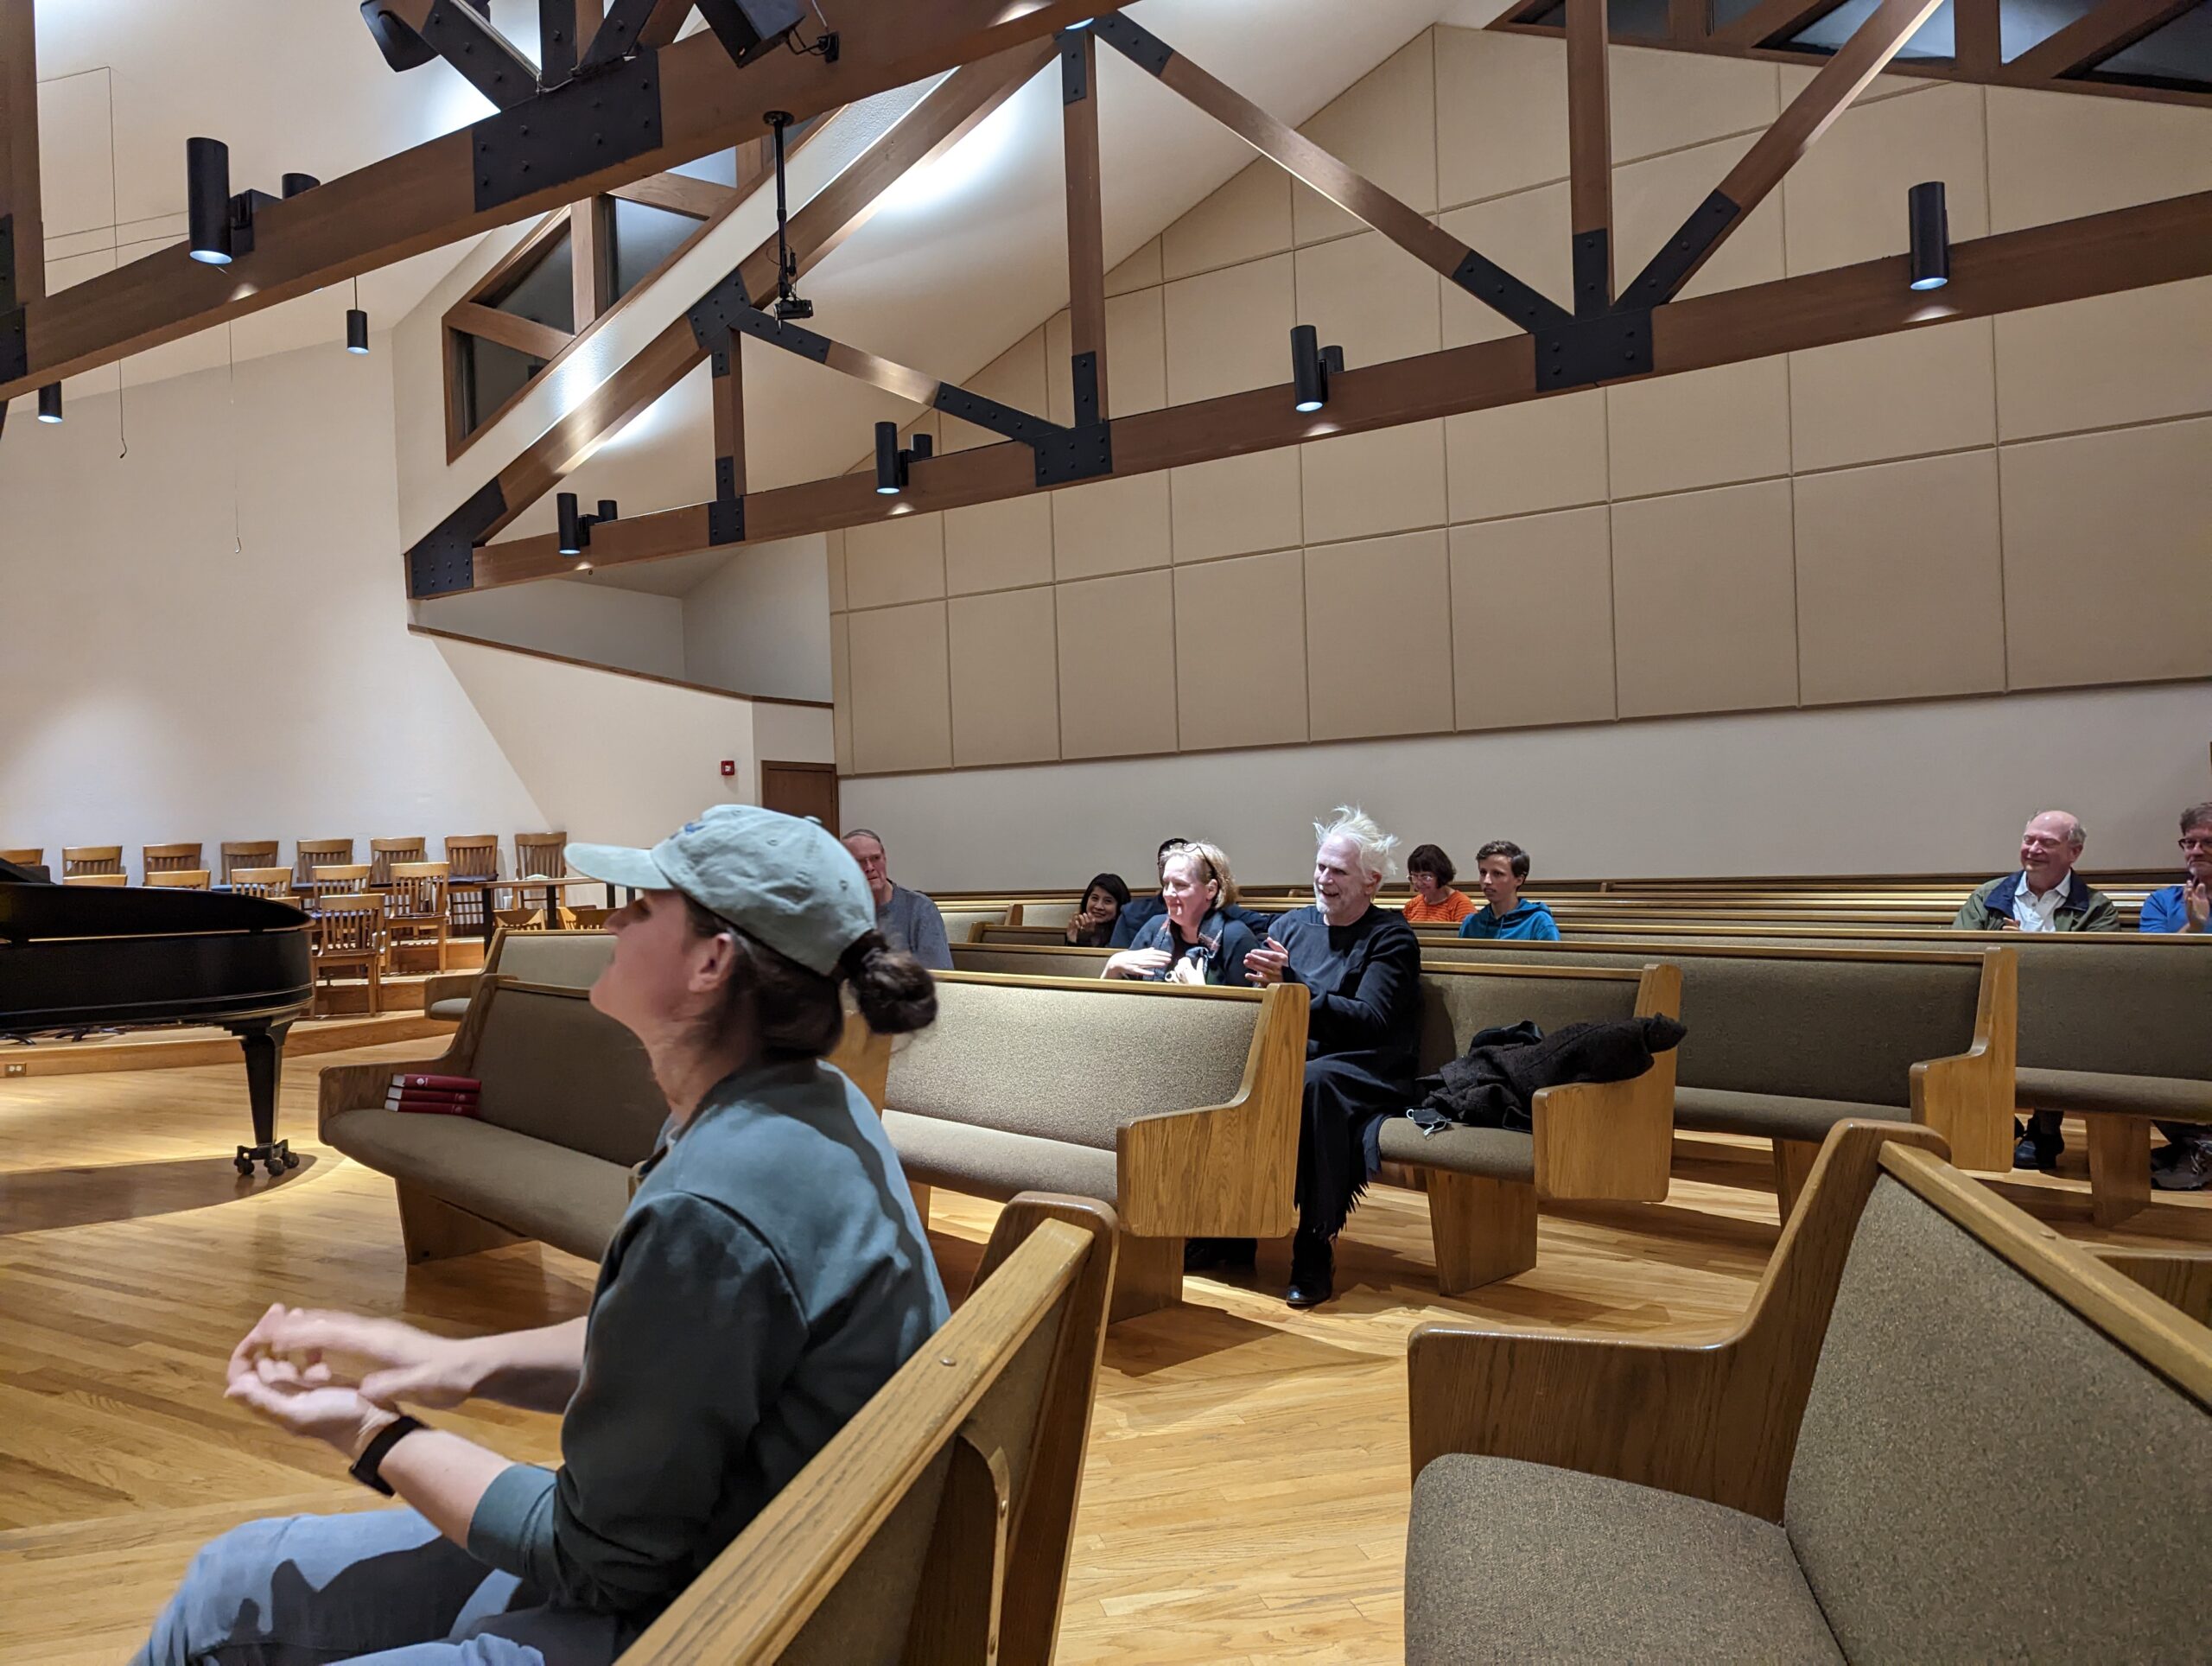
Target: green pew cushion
[(569, 1200), (1771, 1115), (2168, 1096), (989, 1162), (1513, 1562), (1492, 1153)]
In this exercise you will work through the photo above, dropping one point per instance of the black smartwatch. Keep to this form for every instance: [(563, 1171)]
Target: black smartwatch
[(366, 1468)]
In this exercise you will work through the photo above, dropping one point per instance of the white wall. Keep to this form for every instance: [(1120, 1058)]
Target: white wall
[(1942, 786), (761, 624), (625, 628)]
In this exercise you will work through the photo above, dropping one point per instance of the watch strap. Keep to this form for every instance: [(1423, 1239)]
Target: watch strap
[(367, 1468)]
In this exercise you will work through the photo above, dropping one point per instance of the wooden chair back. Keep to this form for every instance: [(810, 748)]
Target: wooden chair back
[(179, 879), (587, 919), (350, 932), (383, 853), (415, 905), (25, 856), (331, 878), (246, 853), (272, 882), (540, 854), (935, 1526), (311, 854), (81, 859), (472, 856), (168, 859), (519, 919), (96, 879)]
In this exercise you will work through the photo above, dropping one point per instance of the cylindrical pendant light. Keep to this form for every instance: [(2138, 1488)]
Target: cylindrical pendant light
[(1931, 236), (207, 199), (890, 468), (573, 533), (49, 403), (1309, 381), (356, 323)]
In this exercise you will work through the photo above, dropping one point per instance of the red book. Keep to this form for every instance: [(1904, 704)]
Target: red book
[(432, 1107), (439, 1083)]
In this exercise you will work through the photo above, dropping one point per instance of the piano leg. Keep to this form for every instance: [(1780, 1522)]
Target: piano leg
[(264, 1042)]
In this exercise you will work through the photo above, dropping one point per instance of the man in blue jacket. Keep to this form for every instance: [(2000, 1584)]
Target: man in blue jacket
[(1503, 866), (2186, 1163)]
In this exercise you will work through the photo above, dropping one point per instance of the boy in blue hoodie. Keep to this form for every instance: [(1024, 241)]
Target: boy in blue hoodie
[(1503, 865)]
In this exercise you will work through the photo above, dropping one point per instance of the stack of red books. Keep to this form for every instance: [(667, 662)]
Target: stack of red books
[(438, 1096)]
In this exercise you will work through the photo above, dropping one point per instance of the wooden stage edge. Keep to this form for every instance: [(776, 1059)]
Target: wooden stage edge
[(149, 1050)]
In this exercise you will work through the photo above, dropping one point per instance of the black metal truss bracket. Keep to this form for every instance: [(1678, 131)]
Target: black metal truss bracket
[(1592, 272), (444, 560), (990, 413), (15, 346), (726, 521), (1584, 352), (487, 61), (1134, 43), (1075, 85), (1668, 270), (1507, 295), (10, 289), (1074, 454), (587, 124)]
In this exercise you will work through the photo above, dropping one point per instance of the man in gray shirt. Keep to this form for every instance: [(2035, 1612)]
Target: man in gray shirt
[(907, 920)]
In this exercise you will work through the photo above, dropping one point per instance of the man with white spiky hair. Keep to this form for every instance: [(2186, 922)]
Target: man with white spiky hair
[(1361, 965)]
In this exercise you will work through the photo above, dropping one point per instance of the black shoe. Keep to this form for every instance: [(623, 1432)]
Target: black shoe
[(1313, 1270), (2036, 1149), (1204, 1255), (2185, 1165)]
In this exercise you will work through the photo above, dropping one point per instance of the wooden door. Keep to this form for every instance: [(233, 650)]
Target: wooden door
[(802, 790)]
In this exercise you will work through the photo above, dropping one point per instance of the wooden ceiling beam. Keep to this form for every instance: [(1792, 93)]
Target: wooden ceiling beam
[(1086, 235), (679, 194), (1590, 156), (2163, 242), (508, 329), (427, 196), (2112, 27), (1306, 162), (945, 114), (1826, 96), (22, 243), (729, 419)]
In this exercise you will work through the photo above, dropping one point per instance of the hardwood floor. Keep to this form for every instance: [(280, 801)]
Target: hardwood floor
[(1247, 1489)]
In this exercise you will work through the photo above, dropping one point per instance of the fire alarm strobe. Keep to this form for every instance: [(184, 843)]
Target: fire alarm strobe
[(729, 765)]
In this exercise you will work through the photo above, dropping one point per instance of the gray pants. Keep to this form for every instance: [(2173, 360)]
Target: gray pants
[(382, 1586)]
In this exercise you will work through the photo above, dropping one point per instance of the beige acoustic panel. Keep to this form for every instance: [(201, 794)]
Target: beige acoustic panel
[(1845, 200), (834, 549), (1383, 127), (1898, 576), (1500, 114), (1704, 602), (2135, 357), (1546, 453), (1245, 219), (1369, 296), (1015, 377), (1378, 638), (1532, 620), (1390, 480), (1651, 200), (1236, 505), (1136, 357), (894, 560), (1141, 271), (1112, 526), (1229, 331), (1531, 234), (1703, 427), (998, 546), (902, 713), (1117, 665), (1006, 696), (2058, 155), (1893, 396), (841, 693), (1671, 100), (1240, 652), (2108, 556)]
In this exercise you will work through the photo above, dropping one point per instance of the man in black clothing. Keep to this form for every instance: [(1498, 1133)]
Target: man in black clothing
[(1362, 968)]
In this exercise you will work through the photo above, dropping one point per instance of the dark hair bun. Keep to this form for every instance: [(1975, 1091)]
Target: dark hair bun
[(893, 991)]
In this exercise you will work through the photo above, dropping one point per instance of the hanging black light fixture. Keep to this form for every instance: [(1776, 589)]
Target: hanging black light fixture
[(356, 323), (1311, 366), (49, 403), (207, 199), (297, 183), (890, 463), (576, 537), (1931, 235)]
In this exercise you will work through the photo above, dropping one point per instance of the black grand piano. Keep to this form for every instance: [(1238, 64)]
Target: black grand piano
[(74, 959)]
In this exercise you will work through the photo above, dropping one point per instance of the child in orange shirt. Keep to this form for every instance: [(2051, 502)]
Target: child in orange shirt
[(1434, 901)]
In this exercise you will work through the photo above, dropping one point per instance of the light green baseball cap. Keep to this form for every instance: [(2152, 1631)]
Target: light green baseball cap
[(788, 882)]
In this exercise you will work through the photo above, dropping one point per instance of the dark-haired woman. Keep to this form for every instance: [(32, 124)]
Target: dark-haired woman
[(1433, 902), (1104, 898), (769, 1275)]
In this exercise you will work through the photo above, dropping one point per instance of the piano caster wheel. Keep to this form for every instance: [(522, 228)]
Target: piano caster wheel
[(291, 1160), (245, 1167), (276, 1168)]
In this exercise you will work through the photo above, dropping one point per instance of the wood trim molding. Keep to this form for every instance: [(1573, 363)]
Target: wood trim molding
[(426, 197), (614, 671), (509, 330), (2098, 254)]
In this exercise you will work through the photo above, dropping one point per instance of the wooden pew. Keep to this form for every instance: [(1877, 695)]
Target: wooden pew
[(935, 1527), (1178, 1106), (1905, 1418)]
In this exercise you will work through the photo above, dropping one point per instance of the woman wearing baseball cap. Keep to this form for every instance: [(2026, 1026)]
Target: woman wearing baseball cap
[(769, 1275)]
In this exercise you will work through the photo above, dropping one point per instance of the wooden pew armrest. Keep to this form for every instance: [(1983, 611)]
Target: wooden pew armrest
[(1613, 1140), (1967, 1097), (1228, 1170), (449, 986)]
